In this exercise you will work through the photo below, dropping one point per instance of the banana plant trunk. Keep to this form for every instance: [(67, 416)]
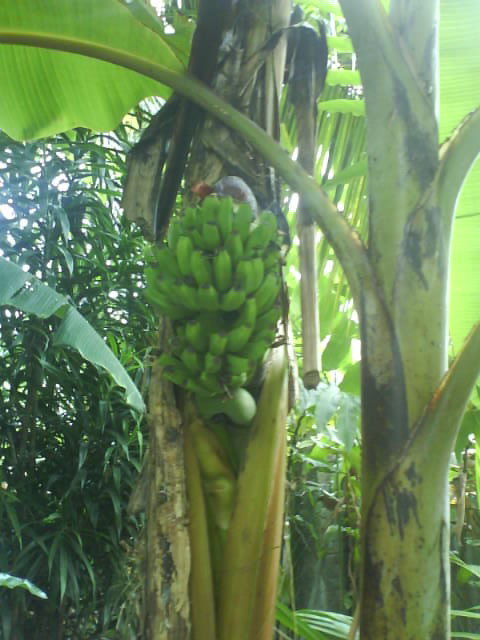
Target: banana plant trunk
[(209, 586), (404, 327)]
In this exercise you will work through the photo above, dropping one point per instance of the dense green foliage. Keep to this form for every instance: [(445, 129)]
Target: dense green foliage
[(70, 446)]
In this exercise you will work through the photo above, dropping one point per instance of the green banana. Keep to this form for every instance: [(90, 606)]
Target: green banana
[(208, 210), (201, 268), (249, 274), (271, 259), (242, 220), (213, 363), (234, 246), (236, 364), (162, 260), (243, 274), (268, 218), (211, 235), (208, 298), (190, 216), (196, 335), (222, 268), (174, 370), (233, 298), (165, 305), (248, 313), (189, 296), (238, 381), (183, 253), (191, 359), (267, 293), (258, 346), (268, 319), (225, 217), (197, 239), (239, 337), (240, 407), (259, 238), (217, 343), (209, 382), (175, 230)]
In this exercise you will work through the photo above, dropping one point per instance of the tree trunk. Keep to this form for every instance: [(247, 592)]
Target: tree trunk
[(404, 329)]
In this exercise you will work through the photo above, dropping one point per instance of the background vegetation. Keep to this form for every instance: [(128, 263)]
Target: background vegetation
[(71, 448)]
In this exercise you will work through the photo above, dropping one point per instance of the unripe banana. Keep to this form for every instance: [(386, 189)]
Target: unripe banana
[(208, 210), (173, 369), (267, 293), (162, 260), (244, 275), (257, 275), (175, 230), (259, 239), (222, 268), (201, 268), (217, 343), (164, 285), (211, 235), (268, 319), (208, 298), (233, 299), (209, 382), (258, 346), (225, 217), (240, 407), (238, 338), (196, 388), (183, 253), (242, 220), (234, 246), (213, 363), (271, 259), (188, 296), (191, 359), (248, 313), (236, 364), (268, 218), (197, 239), (190, 216), (196, 335), (238, 381), (165, 305), (250, 273)]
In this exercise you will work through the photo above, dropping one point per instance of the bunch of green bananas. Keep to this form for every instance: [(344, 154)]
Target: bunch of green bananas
[(218, 279)]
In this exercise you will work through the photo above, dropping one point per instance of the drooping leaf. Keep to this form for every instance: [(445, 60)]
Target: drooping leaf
[(46, 91), (11, 582), (21, 290)]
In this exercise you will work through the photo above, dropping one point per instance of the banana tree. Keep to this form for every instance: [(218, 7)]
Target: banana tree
[(411, 403)]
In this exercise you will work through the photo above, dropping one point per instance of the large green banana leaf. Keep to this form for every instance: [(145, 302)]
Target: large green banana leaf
[(44, 92), (26, 293), (460, 94)]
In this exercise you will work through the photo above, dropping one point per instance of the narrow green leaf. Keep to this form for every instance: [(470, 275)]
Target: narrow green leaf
[(64, 561), (344, 78), (359, 169), (11, 582), (342, 44), (343, 105), (12, 516)]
